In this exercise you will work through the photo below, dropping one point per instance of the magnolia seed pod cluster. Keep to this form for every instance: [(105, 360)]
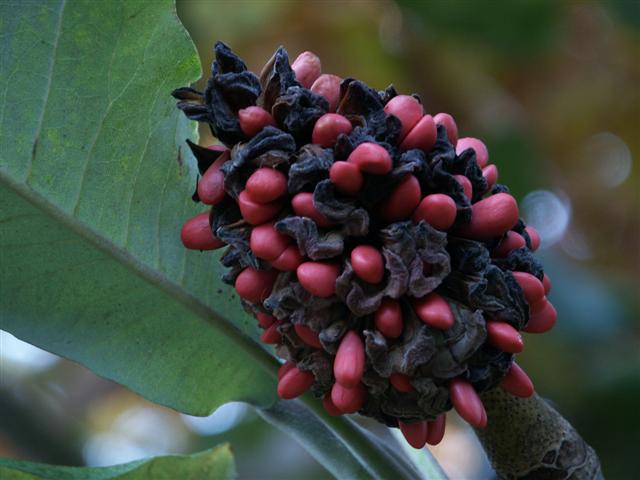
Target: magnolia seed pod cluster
[(375, 248)]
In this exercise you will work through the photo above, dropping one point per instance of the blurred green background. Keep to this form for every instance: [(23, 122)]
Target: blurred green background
[(553, 90)]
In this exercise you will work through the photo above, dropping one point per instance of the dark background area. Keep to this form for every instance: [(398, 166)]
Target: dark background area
[(552, 89)]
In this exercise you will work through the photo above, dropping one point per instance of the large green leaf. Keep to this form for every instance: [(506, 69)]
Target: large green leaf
[(94, 185), (216, 463)]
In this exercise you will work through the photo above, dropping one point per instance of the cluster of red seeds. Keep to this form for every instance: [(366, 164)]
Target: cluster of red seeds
[(265, 197)]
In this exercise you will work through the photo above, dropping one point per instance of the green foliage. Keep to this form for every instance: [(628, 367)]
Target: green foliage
[(216, 463)]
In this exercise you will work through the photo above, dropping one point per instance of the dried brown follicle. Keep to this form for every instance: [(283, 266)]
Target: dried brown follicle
[(374, 247)]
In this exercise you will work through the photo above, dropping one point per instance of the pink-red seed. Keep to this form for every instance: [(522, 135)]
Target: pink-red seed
[(284, 368), (546, 283), (318, 278), (517, 382), (265, 320), (303, 206), (490, 174), (348, 400), (434, 311), (511, 241), (266, 185), (255, 285), (534, 237), (438, 210), (450, 126), (289, 260), (482, 154), (346, 177), (435, 429), (483, 421), (257, 213), (328, 405), (196, 234), (503, 336), (348, 366), (371, 158), (407, 109), (328, 128), (211, 185), (271, 336), (267, 243), (401, 382), (367, 263), (491, 217), (294, 383), (253, 119), (531, 286), (388, 318), (329, 87), (466, 401), (465, 183), (308, 335), (402, 201), (414, 433), (307, 68), (542, 317), (422, 136)]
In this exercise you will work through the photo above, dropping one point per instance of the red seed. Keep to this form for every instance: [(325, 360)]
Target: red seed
[(401, 382), (255, 285), (422, 136), (388, 318), (348, 366), (257, 213), (466, 401), (371, 158), (407, 109), (328, 127), (546, 283), (284, 368), (434, 311), (491, 217), (196, 234), (534, 237), (329, 87), (318, 278), (294, 383), (307, 68), (517, 382), (490, 174), (466, 185), (414, 433), (438, 210), (271, 336), (542, 319), (346, 177), (307, 335), (531, 286), (253, 120), (402, 201), (265, 320), (503, 336), (450, 126), (267, 243), (482, 154), (367, 263), (266, 185), (303, 206), (330, 407), (435, 429), (348, 400), (211, 185), (511, 242), (289, 260)]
